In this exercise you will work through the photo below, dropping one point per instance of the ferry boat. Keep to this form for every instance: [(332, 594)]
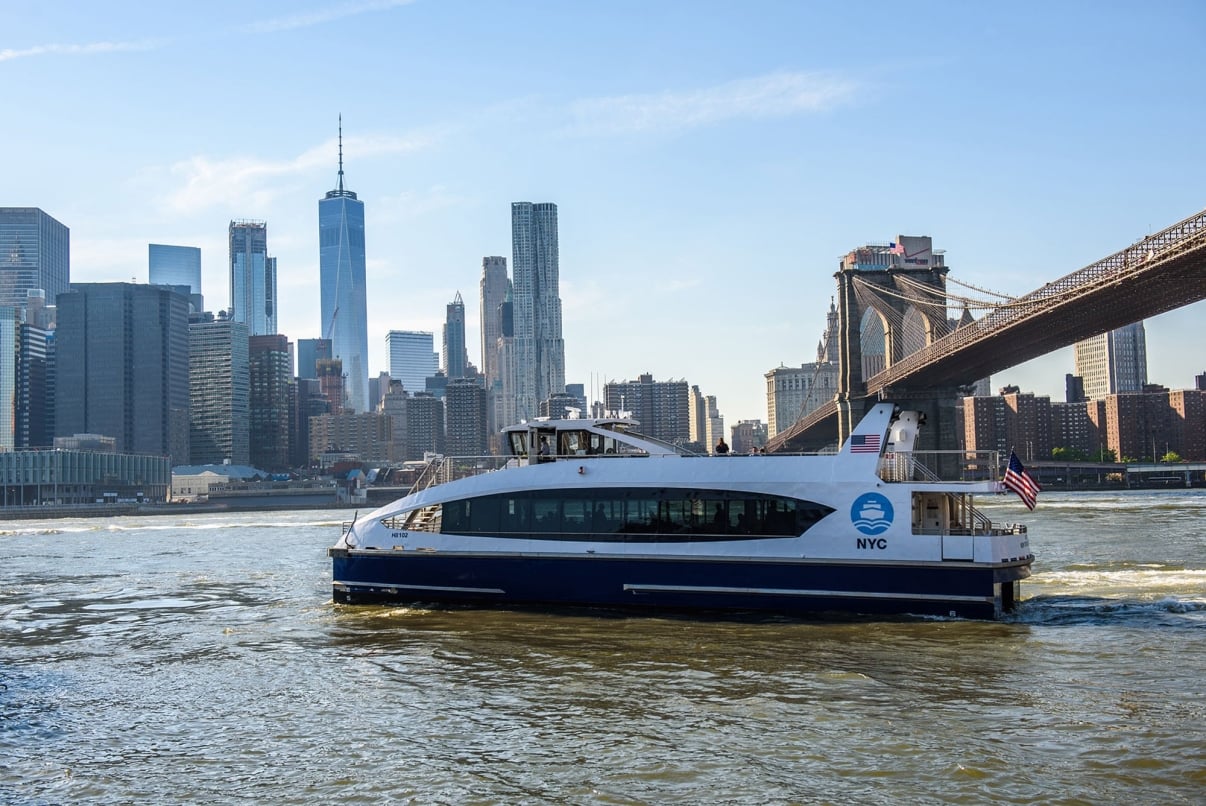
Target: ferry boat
[(590, 512)]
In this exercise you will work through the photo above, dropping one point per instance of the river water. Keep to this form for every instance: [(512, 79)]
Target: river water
[(199, 659)]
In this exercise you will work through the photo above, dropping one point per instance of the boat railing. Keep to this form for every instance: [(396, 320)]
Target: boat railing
[(442, 469), (939, 466)]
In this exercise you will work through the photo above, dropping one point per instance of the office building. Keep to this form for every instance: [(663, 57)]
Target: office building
[(793, 392), (344, 304), (456, 356), (177, 266), (10, 324), (1113, 362), (219, 392), (412, 358), (271, 402), (35, 252), (34, 417), (309, 353), (252, 278), (308, 402), (123, 352), (535, 265), (67, 477)]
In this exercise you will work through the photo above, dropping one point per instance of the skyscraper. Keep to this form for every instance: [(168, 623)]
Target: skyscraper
[(219, 392), (271, 401), (412, 358), (252, 278), (10, 366), (1112, 362), (539, 348), (35, 252), (494, 287), (341, 274), (34, 399), (456, 357), (177, 266), (309, 353), (122, 351)]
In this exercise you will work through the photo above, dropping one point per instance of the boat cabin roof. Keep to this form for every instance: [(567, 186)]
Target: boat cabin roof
[(582, 437)]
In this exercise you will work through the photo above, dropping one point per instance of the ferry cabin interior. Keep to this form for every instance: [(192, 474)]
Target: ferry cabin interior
[(545, 442)]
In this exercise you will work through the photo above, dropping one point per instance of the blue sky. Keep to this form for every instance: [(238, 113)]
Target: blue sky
[(711, 161)]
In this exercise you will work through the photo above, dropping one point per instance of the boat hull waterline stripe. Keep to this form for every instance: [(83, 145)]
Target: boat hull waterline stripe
[(410, 587), (814, 593)]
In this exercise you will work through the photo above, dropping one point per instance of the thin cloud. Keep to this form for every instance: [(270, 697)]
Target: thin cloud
[(89, 49), (207, 182), (322, 15), (770, 96)]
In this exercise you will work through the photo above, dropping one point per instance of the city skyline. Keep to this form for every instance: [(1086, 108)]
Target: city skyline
[(711, 179)]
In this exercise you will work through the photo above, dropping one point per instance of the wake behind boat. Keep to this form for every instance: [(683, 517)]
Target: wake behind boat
[(590, 512)]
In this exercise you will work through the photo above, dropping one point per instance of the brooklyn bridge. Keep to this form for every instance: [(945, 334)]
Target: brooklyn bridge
[(931, 364)]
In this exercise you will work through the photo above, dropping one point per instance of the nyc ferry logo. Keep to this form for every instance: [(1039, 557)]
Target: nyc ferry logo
[(871, 513)]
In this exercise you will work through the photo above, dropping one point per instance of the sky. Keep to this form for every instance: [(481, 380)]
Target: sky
[(711, 162)]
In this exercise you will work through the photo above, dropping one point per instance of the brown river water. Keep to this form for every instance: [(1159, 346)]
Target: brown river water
[(199, 659)]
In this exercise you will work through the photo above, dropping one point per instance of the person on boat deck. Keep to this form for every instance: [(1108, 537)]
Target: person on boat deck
[(722, 447), (543, 453)]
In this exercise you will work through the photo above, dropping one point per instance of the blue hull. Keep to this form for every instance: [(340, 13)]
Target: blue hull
[(676, 584)]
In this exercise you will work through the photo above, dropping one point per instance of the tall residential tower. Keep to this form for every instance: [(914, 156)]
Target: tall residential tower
[(1112, 362), (539, 348), (341, 273), (252, 278)]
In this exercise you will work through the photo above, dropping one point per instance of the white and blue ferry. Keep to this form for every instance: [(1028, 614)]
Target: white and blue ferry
[(589, 512)]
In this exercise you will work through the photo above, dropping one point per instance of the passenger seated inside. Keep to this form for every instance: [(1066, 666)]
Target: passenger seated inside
[(720, 521)]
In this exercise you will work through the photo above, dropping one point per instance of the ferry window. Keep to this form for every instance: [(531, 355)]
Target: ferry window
[(455, 517), (718, 517), (483, 515), (546, 515), (512, 515), (573, 443), (519, 443), (640, 515), (607, 517), (575, 516)]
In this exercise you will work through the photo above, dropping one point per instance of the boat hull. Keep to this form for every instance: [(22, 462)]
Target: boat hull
[(788, 586)]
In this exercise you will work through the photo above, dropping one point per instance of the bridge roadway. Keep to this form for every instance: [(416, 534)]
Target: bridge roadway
[(1159, 273)]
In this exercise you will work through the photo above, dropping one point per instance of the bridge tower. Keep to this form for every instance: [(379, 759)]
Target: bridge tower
[(892, 302)]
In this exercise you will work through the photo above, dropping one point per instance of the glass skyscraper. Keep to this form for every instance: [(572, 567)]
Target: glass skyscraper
[(177, 266), (535, 271), (35, 252), (252, 278), (122, 351), (341, 274), (412, 358)]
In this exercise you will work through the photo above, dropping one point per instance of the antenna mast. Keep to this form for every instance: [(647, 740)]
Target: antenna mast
[(341, 152)]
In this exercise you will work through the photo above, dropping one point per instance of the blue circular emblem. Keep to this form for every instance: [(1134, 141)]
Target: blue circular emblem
[(871, 513)]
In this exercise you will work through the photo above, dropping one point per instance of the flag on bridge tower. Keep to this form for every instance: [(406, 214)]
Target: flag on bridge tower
[(1018, 480)]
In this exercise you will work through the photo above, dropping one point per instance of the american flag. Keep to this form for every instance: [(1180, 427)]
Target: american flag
[(864, 443), (1018, 480)]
